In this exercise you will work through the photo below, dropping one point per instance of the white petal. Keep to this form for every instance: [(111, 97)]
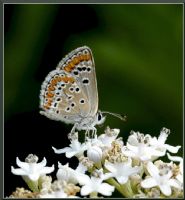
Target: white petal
[(133, 140), (47, 170), (81, 168), (71, 154), (162, 137), (174, 183), (165, 189), (158, 153), (132, 148), (146, 157), (106, 189), (122, 179), (134, 170), (179, 177), (85, 190), (34, 177), (18, 171), (174, 158), (42, 163), (172, 149), (152, 169), (108, 175), (23, 165), (128, 163), (153, 141), (148, 183), (83, 179), (110, 166), (59, 151)]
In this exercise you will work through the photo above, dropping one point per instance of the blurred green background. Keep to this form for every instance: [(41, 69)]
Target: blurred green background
[(138, 55)]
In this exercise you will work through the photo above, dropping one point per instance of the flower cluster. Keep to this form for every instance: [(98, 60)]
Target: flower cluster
[(107, 164)]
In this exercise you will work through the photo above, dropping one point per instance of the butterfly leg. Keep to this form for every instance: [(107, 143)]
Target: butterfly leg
[(72, 132), (90, 134), (94, 131), (87, 133)]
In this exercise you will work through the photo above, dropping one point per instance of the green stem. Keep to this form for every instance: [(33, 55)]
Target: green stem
[(113, 182), (94, 195), (127, 190), (33, 185)]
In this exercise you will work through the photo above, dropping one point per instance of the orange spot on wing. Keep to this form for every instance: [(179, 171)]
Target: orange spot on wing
[(71, 65), (46, 106), (49, 94), (71, 79), (67, 68), (87, 57), (81, 57), (54, 81), (49, 101), (65, 79), (51, 88), (75, 60), (58, 79)]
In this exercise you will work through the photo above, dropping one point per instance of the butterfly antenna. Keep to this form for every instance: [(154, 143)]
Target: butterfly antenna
[(120, 116)]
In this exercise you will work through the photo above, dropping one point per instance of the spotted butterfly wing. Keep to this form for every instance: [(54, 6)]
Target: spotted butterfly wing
[(69, 93), (80, 64)]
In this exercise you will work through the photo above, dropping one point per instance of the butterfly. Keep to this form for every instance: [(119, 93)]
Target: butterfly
[(69, 93)]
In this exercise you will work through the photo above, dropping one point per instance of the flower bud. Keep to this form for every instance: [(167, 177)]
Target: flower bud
[(95, 154)]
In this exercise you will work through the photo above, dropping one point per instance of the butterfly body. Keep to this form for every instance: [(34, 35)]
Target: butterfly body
[(69, 93)]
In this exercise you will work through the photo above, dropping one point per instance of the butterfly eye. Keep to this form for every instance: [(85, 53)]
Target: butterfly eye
[(99, 116)]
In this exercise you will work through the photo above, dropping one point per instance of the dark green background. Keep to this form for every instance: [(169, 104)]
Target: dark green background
[(139, 66)]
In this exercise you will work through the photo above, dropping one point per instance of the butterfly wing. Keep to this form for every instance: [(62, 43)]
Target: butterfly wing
[(61, 98), (80, 64)]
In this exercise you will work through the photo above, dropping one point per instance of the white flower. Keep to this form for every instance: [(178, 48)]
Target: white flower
[(159, 143), (139, 147), (81, 168), (180, 176), (94, 184), (75, 149), (59, 189), (161, 178), (32, 170), (121, 170), (94, 154), (108, 137), (65, 173)]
